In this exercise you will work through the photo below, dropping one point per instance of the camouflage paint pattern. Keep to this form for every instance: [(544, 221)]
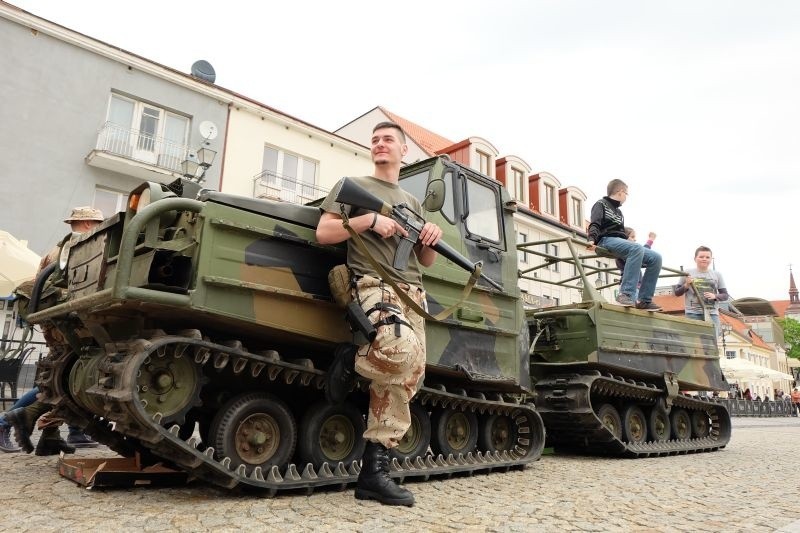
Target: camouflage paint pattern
[(242, 268), (626, 342)]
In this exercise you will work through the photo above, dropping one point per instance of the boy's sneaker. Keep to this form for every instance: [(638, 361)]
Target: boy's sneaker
[(624, 299), (648, 306), (81, 440)]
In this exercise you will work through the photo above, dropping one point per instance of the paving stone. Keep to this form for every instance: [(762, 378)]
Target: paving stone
[(745, 487)]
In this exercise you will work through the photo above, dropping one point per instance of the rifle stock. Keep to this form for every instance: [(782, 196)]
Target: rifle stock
[(352, 194)]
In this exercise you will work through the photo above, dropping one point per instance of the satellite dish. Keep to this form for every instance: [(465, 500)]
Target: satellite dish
[(202, 69), (208, 130)]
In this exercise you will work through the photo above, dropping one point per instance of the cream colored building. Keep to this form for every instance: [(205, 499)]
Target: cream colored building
[(269, 154)]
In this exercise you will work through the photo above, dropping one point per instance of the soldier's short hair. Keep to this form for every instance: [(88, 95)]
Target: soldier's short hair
[(387, 124)]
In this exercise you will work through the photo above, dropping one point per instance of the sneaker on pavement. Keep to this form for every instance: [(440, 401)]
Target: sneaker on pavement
[(22, 428), (81, 440), (5, 440), (624, 299), (648, 306)]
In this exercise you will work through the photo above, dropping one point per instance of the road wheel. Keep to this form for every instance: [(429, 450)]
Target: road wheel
[(658, 424), (418, 437), (254, 429), (331, 434), (634, 425), (454, 432), (609, 416), (701, 425), (681, 424), (169, 382), (498, 433)]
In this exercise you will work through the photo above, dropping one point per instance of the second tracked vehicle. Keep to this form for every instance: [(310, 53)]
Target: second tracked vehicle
[(608, 379)]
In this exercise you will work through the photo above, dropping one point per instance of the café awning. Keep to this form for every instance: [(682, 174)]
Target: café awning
[(18, 263)]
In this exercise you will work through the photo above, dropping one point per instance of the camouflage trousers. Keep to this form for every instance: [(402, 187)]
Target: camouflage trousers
[(394, 362)]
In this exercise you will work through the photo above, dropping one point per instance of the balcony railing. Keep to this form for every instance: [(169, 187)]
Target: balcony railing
[(137, 146), (275, 186)]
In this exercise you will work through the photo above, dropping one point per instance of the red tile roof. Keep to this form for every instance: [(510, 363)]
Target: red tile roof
[(426, 139), (744, 331), (780, 306)]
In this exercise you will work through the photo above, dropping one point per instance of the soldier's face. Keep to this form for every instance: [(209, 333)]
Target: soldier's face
[(387, 147)]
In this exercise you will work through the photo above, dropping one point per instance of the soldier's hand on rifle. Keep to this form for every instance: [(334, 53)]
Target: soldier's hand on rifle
[(430, 234), (387, 226)]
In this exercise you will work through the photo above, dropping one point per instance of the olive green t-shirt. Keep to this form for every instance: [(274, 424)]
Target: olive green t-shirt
[(382, 250)]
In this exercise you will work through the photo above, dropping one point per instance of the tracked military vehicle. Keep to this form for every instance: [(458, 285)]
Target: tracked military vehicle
[(609, 378), (196, 328)]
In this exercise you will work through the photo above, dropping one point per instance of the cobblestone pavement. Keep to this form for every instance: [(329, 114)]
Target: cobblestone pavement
[(749, 486)]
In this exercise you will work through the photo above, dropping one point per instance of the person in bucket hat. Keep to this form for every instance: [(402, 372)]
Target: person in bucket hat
[(85, 213), (28, 409)]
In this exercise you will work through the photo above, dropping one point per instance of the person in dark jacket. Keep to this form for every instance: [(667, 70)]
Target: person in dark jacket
[(607, 229)]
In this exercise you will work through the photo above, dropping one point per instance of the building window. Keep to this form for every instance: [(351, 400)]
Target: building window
[(554, 251), (484, 163), (549, 200), (577, 212), (518, 184), (144, 132), (523, 255), (730, 354), (109, 202), (602, 275), (288, 177)]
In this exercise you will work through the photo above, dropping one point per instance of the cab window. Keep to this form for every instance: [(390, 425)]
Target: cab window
[(482, 219)]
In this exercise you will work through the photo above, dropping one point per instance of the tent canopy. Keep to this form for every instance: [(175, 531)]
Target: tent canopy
[(18, 263), (744, 369)]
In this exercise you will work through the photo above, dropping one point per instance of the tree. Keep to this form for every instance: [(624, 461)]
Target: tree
[(791, 335)]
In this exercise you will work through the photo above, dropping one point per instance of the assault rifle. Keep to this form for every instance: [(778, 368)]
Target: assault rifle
[(353, 194)]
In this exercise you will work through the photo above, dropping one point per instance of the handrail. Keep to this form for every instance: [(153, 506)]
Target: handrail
[(579, 281), (131, 233)]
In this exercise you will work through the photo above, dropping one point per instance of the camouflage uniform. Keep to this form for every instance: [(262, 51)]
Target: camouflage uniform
[(394, 364), (395, 361)]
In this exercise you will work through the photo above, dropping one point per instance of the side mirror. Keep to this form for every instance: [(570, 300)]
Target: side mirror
[(434, 195)]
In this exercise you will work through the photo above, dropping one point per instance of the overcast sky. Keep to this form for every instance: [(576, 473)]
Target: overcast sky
[(694, 104)]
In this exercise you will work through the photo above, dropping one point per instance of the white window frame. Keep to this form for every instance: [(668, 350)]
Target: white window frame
[(156, 150), (522, 254), (549, 198), (576, 205), (121, 200), (285, 187), (519, 188)]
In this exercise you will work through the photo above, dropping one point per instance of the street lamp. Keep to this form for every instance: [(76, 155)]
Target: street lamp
[(725, 328), (194, 167)]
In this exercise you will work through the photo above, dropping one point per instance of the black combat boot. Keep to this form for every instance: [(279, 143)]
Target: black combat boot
[(23, 420), (51, 443), (341, 375), (374, 482)]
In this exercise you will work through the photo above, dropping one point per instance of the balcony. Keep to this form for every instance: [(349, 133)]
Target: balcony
[(137, 154), (274, 186)]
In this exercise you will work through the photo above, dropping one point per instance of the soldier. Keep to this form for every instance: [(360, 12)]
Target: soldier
[(24, 415), (395, 361)]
